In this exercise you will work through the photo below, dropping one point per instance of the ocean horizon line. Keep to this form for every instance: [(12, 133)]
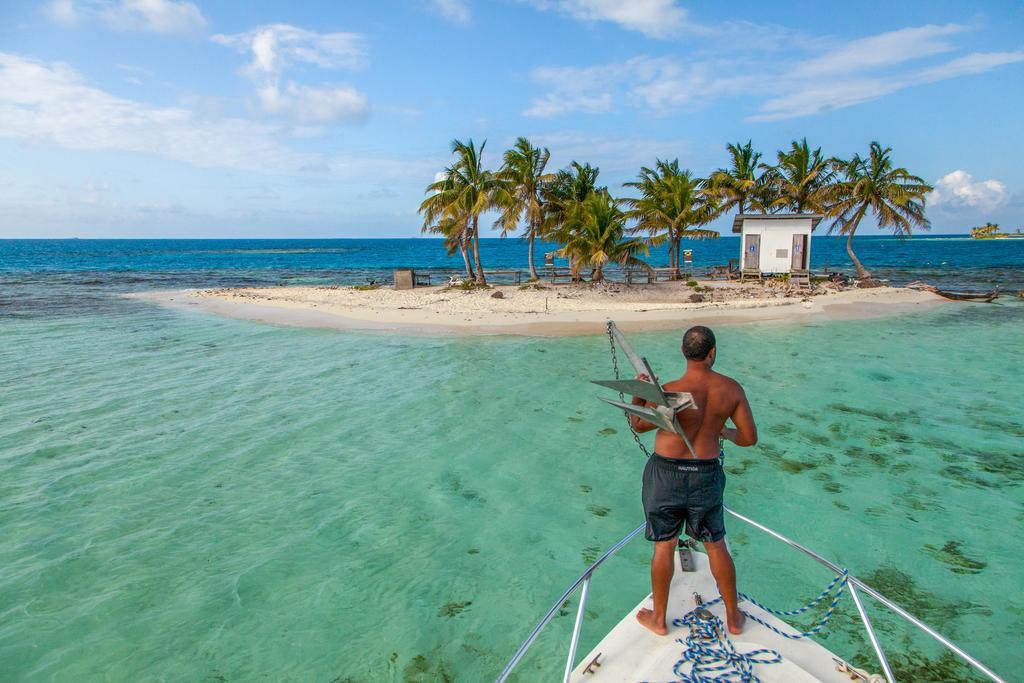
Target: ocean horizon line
[(411, 237)]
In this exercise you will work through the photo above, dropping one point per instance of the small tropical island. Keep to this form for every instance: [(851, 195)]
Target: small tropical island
[(990, 231), (601, 265)]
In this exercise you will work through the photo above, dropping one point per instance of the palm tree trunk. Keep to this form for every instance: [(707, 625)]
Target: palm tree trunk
[(480, 278), (465, 259), (533, 269), (679, 255), (671, 254), (862, 272), (598, 274)]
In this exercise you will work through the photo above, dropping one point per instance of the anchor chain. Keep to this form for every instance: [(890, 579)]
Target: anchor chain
[(622, 397)]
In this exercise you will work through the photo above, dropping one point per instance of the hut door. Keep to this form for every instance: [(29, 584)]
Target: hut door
[(752, 252), (799, 261)]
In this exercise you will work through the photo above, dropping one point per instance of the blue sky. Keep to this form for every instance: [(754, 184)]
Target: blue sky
[(170, 118)]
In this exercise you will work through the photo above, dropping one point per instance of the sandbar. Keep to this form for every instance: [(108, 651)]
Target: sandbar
[(548, 310)]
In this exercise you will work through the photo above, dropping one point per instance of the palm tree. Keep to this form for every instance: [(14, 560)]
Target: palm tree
[(442, 216), (524, 174), (893, 195), (741, 186), (565, 192), (671, 203), (457, 200), (596, 236), (563, 200), (800, 181)]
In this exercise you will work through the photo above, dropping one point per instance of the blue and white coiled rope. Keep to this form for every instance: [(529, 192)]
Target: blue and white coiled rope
[(714, 659)]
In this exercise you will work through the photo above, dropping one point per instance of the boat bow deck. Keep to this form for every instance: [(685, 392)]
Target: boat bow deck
[(629, 652)]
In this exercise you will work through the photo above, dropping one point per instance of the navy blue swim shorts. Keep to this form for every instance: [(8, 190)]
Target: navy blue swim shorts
[(684, 494)]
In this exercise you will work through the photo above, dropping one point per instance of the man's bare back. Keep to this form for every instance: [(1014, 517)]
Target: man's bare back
[(718, 399)]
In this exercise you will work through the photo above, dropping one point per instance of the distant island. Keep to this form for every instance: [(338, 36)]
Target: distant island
[(990, 231)]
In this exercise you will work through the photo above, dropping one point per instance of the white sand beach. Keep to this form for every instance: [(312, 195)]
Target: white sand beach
[(559, 310)]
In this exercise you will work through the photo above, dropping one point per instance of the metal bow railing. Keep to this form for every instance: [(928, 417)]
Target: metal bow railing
[(855, 586)]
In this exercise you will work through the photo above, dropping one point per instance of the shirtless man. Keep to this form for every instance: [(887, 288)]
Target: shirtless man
[(682, 488)]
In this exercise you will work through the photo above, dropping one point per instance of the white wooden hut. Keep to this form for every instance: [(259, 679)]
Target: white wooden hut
[(776, 242)]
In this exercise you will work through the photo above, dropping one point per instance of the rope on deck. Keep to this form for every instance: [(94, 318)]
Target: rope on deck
[(712, 656)]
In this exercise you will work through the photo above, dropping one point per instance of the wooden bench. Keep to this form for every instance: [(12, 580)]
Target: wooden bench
[(517, 275), (751, 274), (664, 274), (800, 278), (728, 271), (638, 276), (424, 279), (650, 276), (552, 274), (427, 278)]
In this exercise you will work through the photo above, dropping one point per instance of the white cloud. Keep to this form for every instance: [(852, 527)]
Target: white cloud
[(275, 47), (136, 75), (379, 193), (51, 104), (455, 11), (654, 18), (95, 191), (153, 16), (44, 103), (958, 189), (851, 73), (613, 155), (61, 11), (309, 105), (882, 50), (591, 89), (974, 63), (658, 84), (819, 95)]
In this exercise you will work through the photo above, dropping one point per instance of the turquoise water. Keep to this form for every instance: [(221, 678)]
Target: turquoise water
[(190, 498)]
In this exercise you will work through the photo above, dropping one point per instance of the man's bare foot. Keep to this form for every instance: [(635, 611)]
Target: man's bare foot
[(736, 622), (646, 619)]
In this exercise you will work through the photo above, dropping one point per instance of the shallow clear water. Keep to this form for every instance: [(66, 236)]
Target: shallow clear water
[(185, 497)]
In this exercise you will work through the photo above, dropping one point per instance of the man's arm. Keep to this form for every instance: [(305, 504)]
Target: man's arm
[(745, 433), (639, 424)]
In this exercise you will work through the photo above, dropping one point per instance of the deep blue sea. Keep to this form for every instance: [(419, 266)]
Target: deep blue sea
[(77, 274)]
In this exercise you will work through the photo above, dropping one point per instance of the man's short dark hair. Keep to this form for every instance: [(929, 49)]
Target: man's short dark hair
[(698, 342)]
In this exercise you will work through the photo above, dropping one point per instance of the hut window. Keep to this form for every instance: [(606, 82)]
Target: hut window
[(782, 253)]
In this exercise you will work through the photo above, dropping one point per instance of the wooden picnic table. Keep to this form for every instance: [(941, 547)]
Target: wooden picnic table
[(424, 279), (553, 273), (728, 271), (653, 275), (517, 275), (664, 274)]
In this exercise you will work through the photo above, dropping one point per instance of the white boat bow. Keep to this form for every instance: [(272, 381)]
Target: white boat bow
[(629, 652)]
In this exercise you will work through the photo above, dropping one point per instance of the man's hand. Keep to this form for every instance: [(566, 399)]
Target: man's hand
[(745, 433), (638, 423)]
